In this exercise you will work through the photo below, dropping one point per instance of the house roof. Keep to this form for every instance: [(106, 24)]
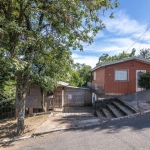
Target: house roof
[(120, 61), (60, 83), (85, 88)]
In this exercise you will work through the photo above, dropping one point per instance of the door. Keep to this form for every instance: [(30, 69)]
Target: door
[(138, 74)]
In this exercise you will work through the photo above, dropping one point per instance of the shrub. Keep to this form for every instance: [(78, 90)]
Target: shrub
[(144, 80)]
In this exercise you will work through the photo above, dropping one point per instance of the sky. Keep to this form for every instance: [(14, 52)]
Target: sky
[(129, 29)]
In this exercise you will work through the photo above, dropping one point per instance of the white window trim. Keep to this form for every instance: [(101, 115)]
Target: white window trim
[(122, 70), (94, 75)]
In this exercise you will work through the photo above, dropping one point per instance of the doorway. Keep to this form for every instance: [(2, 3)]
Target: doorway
[(138, 74)]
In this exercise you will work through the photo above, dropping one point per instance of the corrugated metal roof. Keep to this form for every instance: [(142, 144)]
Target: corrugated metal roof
[(63, 83), (120, 61), (86, 88)]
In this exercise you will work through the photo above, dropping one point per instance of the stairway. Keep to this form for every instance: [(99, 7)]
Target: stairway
[(113, 108)]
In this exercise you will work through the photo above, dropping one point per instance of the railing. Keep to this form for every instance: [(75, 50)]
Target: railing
[(99, 88)]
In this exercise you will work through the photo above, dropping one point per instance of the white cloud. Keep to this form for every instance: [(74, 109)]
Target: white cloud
[(117, 45), (123, 24), (88, 60), (145, 36), (109, 45), (121, 33)]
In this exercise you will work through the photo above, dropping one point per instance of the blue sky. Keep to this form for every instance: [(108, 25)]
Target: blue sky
[(126, 31)]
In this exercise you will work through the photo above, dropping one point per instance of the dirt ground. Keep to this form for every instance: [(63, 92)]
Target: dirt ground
[(8, 127)]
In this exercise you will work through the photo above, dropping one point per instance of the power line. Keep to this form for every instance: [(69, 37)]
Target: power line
[(139, 37)]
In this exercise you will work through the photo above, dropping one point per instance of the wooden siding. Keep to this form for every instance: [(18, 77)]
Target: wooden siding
[(79, 97), (106, 76), (56, 101), (123, 87), (100, 77)]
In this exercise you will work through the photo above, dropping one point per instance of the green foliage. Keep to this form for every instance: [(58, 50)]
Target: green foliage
[(7, 90), (10, 88), (29, 28), (145, 53), (106, 58), (47, 71), (80, 75), (5, 99), (75, 79), (5, 70), (7, 94), (33, 29), (144, 80)]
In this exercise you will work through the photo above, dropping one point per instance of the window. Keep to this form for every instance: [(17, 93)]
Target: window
[(121, 75), (94, 75)]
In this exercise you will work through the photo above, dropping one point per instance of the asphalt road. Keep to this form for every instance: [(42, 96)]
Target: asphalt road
[(126, 134)]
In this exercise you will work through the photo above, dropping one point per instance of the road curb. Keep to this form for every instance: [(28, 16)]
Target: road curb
[(74, 127), (15, 139)]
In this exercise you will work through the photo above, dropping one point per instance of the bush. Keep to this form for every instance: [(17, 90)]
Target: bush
[(144, 80)]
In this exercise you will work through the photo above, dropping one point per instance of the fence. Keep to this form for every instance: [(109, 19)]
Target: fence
[(7, 110)]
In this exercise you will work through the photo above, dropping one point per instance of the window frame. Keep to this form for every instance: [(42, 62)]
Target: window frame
[(121, 70), (94, 75)]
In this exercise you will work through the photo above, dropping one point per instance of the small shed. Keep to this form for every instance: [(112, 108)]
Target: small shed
[(63, 96)]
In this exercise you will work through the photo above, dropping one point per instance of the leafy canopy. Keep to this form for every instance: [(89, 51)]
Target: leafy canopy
[(145, 53), (35, 31), (107, 58), (36, 27), (80, 75)]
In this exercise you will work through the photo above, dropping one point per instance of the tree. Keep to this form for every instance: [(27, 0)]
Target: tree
[(5, 71), (80, 75), (74, 79), (32, 27), (106, 58), (47, 71), (144, 80), (84, 74), (145, 53), (5, 78)]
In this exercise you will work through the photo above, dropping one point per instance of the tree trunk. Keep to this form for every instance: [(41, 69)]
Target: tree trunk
[(22, 85), (43, 100), (21, 112)]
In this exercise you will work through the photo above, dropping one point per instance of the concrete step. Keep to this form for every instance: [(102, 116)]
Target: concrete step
[(107, 113), (127, 105), (99, 114), (126, 111), (114, 111)]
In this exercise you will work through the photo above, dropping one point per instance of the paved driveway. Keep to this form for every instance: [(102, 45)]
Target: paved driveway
[(142, 97), (76, 111), (126, 134)]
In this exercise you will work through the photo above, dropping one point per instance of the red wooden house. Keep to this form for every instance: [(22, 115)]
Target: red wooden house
[(121, 76)]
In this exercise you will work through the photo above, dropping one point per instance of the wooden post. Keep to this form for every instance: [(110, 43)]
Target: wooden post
[(45, 106), (16, 113), (30, 111), (62, 97)]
